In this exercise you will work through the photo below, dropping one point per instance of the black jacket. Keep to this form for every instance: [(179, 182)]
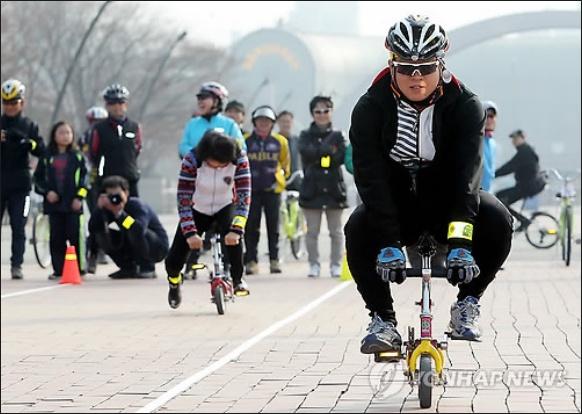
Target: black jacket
[(525, 165), (115, 146), (75, 185), (323, 185), (22, 138), (449, 187)]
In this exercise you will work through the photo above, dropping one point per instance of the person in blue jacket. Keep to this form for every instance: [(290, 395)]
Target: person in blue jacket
[(212, 98), (489, 145)]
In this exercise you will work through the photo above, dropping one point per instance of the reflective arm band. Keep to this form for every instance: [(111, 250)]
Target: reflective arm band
[(82, 192), (325, 161), (460, 230), (33, 144), (239, 221), (128, 222)]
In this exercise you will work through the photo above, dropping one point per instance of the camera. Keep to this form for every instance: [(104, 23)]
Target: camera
[(115, 199)]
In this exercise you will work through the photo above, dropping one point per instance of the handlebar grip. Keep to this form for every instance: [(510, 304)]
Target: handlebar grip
[(437, 273)]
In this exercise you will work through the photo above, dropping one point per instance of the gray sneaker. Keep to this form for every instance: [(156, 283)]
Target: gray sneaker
[(464, 322), (16, 272), (382, 336)]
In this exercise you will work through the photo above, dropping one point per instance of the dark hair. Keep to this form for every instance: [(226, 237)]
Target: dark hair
[(236, 105), (53, 148), (114, 181), (319, 98), (218, 146), (517, 133), (283, 113)]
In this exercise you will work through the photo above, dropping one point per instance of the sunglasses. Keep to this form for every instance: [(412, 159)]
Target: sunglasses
[(11, 103), (410, 69), (115, 102), (322, 111)]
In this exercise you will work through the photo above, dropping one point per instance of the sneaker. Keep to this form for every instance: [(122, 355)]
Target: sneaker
[(464, 322), (52, 276), (127, 273), (242, 289), (313, 270), (275, 266), (149, 274), (336, 271), (92, 264), (382, 336), (101, 258), (252, 268), (174, 294), (16, 272)]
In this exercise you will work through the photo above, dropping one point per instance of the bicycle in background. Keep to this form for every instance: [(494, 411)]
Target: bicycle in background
[(291, 217), (567, 195), (40, 239)]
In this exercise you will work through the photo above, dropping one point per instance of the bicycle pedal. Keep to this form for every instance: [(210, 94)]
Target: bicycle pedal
[(388, 356)]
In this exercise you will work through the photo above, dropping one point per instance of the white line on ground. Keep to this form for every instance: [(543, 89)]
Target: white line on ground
[(26, 292), (188, 382)]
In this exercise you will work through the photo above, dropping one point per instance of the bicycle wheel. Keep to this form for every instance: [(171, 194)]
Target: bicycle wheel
[(542, 232), (41, 240), (425, 381), (219, 299), (568, 236)]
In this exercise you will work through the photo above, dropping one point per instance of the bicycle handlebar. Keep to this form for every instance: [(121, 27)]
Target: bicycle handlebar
[(293, 176), (559, 176), (438, 273)]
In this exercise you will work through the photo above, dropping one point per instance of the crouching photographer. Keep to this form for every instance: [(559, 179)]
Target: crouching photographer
[(128, 230)]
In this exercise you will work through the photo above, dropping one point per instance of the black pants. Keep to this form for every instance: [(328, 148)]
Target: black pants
[(18, 204), (126, 252), (509, 196), (63, 227), (271, 203), (491, 244), (180, 249)]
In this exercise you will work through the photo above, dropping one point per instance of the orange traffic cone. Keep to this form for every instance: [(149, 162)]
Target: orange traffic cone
[(71, 268)]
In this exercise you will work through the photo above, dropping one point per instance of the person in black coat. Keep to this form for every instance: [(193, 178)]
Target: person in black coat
[(61, 177), (323, 189), (20, 137)]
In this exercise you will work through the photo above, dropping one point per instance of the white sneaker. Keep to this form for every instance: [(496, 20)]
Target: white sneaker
[(464, 322), (336, 271), (314, 270)]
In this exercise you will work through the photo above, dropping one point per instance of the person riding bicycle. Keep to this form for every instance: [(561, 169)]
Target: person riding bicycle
[(210, 174), (489, 144), (20, 137), (418, 120), (525, 166)]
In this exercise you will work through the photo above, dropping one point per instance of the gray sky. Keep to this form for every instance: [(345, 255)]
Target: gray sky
[(222, 22)]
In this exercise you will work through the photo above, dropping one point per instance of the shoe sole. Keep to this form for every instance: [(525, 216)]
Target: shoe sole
[(375, 347)]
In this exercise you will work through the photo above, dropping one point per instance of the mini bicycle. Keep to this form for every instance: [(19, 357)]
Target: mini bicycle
[(421, 353)]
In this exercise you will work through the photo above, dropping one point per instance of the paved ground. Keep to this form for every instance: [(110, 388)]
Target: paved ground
[(115, 346)]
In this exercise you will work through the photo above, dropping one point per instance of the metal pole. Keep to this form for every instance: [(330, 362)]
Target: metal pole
[(75, 60), (158, 73)]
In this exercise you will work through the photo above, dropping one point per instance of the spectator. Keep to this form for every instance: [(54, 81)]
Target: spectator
[(61, 177), (529, 181), (489, 145), (212, 97), (269, 158), (285, 123), (235, 110), (19, 138), (323, 190), (117, 141), (128, 230)]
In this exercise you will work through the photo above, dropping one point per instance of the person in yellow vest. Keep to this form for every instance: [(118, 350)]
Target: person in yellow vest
[(268, 154)]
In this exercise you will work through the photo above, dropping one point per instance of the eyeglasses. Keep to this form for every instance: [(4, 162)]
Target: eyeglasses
[(322, 111), (115, 102), (410, 69)]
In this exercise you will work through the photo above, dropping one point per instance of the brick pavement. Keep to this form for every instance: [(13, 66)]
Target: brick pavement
[(114, 346)]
